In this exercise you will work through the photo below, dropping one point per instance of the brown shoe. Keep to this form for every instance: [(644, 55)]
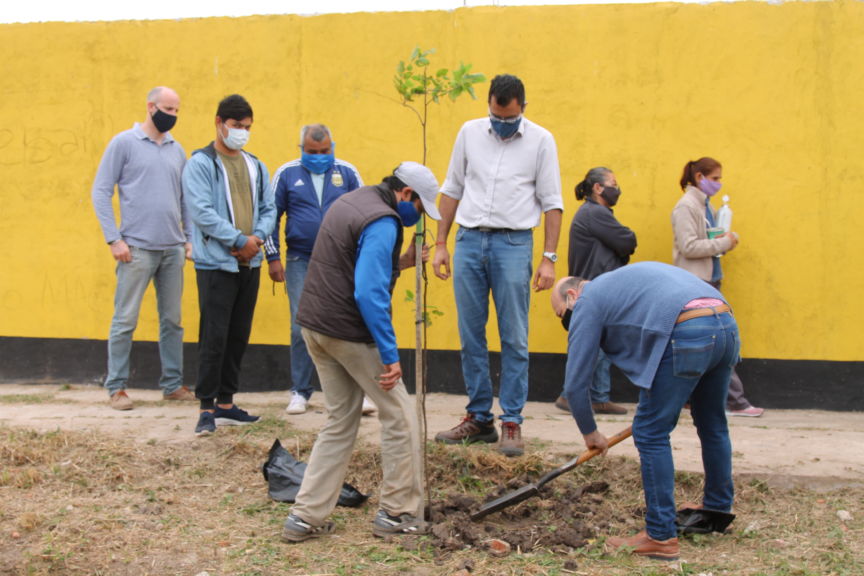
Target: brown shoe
[(121, 401), (562, 404), (511, 440), (469, 431), (608, 408), (644, 545), (183, 394)]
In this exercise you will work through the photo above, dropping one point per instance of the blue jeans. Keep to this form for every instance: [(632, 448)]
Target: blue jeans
[(602, 381), (301, 363), (499, 262), (165, 268), (696, 365)]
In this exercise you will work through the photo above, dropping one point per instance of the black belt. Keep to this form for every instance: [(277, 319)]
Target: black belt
[(493, 230)]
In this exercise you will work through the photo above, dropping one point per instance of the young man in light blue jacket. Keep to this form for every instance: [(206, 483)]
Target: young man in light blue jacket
[(231, 205)]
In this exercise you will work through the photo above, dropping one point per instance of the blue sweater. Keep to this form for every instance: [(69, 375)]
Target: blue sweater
[(629, 313), (296, 198)]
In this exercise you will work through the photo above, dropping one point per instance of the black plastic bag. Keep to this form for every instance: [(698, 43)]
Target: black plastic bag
[(702, 521), (284, 475)]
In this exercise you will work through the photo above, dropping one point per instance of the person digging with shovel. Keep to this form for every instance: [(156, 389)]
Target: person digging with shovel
[(674, 337)]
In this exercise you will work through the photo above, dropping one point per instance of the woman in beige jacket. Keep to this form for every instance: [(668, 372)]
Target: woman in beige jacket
[(696, 252)]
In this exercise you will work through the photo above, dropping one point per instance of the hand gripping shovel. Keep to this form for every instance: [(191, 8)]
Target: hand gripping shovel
[(530, 490)]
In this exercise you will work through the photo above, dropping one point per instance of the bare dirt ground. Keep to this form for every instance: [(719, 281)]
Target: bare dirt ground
[(88, 490), (784, 447)]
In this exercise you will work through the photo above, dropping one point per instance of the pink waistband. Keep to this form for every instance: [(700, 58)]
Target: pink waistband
[(703, 303)]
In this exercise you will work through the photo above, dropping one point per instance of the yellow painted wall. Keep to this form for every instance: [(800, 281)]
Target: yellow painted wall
[(773, 91)]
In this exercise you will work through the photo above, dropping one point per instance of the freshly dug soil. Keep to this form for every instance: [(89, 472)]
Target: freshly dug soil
[(565, 519)]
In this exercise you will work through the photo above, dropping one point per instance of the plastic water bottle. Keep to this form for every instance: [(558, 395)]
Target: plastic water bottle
[(724, 216)]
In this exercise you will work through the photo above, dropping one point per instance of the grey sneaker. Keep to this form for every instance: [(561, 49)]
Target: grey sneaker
[(296, 530), (387, 525)]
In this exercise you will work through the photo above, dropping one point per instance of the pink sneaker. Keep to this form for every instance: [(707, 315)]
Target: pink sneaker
[(751, 412)]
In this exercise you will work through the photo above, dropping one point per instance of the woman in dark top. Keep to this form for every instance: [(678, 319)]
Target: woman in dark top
[(598, 244)]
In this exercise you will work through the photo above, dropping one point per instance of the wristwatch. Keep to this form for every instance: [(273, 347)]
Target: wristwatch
[(551, 256)]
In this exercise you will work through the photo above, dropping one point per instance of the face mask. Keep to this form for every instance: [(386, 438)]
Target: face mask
[(317, 163), (236, 139), (611, 195), (163, 121), (709, 187), (505, 128), (408, 213), (565, 319)]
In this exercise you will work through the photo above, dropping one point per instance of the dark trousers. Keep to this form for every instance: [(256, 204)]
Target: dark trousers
[(227, 304)]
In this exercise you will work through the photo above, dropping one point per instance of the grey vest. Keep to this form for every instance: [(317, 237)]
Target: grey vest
[(327, 304)]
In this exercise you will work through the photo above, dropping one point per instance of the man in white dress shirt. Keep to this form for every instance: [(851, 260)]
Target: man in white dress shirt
[(503, 175)]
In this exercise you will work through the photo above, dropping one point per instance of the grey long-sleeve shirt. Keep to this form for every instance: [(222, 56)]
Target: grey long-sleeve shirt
[(147, 176), (598, 242)]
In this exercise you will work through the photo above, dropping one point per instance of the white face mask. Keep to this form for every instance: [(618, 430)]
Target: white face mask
[(236, 139)]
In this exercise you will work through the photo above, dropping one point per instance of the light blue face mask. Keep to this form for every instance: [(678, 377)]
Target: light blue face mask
[(236, 139), (317, 163), (408, 213)]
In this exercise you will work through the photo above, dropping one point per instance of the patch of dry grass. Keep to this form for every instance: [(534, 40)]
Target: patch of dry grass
[(78, 503)]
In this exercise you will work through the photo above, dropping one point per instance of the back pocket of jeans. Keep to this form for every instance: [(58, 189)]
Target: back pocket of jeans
[(691, 356)]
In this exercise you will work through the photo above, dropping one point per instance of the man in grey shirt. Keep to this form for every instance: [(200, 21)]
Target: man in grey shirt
[(144, 163)]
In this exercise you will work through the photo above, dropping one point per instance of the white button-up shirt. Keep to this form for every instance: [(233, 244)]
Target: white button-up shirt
[(503, 183)]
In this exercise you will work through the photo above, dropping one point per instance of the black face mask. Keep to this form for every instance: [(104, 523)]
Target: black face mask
[(611, 195), (163, 122), (565, 319)]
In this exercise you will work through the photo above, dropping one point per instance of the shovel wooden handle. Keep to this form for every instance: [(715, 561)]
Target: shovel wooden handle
[(585, 456)]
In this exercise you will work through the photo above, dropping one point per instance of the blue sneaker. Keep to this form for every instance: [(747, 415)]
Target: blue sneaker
[(234, 416), (206, 424), (296, 530)]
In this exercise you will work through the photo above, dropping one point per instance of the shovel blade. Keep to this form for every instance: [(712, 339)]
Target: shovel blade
[(509, 499)]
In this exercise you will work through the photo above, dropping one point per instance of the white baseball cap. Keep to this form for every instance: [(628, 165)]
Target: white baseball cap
[(423, 181)]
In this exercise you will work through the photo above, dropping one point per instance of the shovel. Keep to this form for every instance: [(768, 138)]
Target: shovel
[(530, 490)]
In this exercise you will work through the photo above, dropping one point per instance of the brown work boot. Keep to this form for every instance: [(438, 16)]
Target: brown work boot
[(469, 431), (608, 408), (644, 545), (183, 394), (511, 440), (120, 401), (562, 404)]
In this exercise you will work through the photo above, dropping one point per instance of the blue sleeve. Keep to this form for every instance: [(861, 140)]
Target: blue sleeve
[(271, 245), (357, 180), (583, 345), (266, 206), (372, 273)]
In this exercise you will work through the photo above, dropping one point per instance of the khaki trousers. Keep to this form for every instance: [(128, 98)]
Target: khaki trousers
[(347, 371)]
